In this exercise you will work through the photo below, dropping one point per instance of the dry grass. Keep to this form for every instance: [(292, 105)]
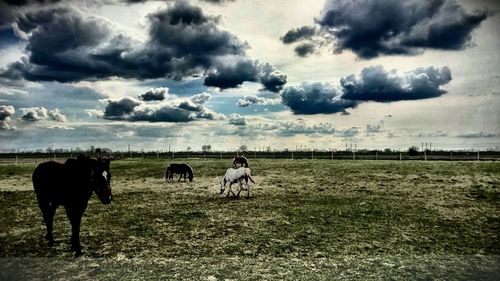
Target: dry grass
[(306, 219)]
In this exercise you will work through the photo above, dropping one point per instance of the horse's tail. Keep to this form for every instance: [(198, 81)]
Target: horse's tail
[(190, 172), (250, 176)]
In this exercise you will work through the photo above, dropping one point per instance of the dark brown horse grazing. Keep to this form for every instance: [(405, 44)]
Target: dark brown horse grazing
[(241, 160), (70, 185), (181, 169)]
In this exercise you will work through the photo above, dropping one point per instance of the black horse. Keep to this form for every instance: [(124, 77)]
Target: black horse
[(70, 185), (181, 169), (241, 160)]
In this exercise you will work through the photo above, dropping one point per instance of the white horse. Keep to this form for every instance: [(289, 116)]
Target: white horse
[(236, 176)]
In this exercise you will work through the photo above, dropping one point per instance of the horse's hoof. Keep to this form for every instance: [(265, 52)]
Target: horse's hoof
[(79, 254)]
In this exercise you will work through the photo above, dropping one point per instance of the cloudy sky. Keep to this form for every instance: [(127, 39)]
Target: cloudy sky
[(281, 73)]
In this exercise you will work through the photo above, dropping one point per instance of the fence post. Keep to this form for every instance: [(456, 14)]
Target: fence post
[(451, 155), (400, 157), (55, 157), (354, 155), (157, 156), (221, 156), (292, 155), (312, 154), (16, 159), (425, 155), (478, 155), (376, 155)]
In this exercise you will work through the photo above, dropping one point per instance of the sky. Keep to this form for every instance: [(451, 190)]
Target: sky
[(281, 74)]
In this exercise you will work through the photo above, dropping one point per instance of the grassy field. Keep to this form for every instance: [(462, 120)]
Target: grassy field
[(306, 219)]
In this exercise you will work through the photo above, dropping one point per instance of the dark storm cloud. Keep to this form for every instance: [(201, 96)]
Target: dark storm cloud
[(60, 46), (188, 42), (129, 109), (66, 45), (305, 49), (119, 108), (376, 84), (298, 34), (272, 79), (314, 98), (161, 114), (156, 94), (189, 33), (232, 76), (371, 28)]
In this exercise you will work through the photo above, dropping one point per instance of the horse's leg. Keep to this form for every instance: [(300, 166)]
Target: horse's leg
[(248, 189), (75, 218), (48, 211), (48, 218), (230, 190), (241, 187)]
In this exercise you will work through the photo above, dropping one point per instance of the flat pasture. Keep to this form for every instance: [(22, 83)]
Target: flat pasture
[(305, 220)]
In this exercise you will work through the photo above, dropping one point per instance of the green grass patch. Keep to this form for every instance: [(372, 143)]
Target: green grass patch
[(305, 219)]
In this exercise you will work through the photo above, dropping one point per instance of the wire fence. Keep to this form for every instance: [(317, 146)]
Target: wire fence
[(292, 155)]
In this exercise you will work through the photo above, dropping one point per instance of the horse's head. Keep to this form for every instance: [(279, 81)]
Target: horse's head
[(101, 180)]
